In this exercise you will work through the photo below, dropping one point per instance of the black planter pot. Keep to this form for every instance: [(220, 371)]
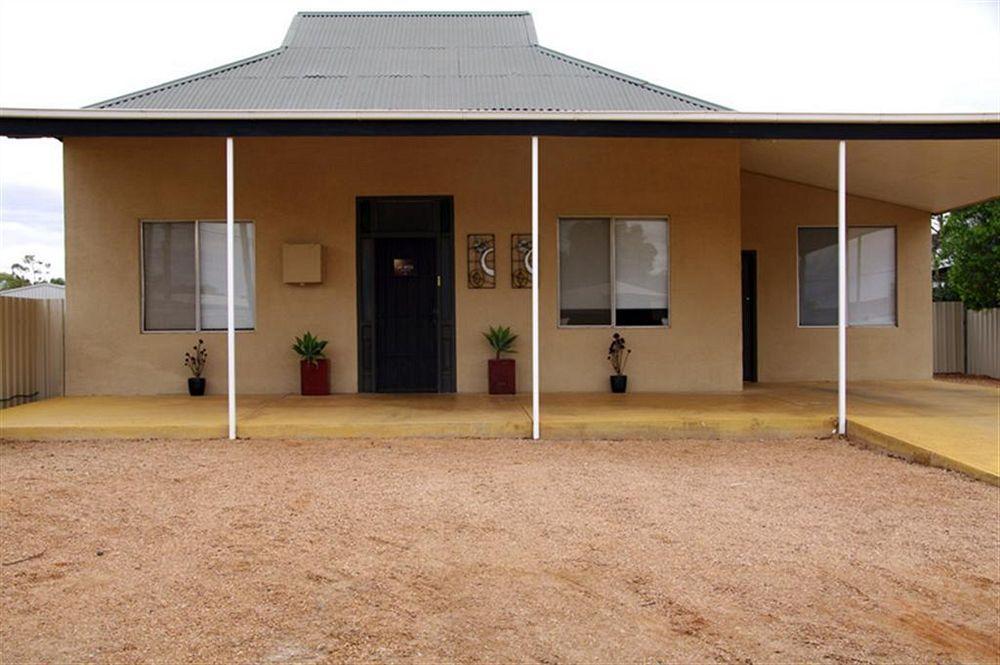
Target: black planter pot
[(619, 382), (196, 386)]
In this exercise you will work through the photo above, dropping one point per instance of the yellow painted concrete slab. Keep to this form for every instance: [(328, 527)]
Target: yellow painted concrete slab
[(273, 416), (948, 425), (944, 424), (758, 411), (130, 417), (366, 415)]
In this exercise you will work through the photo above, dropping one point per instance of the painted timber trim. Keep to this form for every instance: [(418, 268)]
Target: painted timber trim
[(62, 123)]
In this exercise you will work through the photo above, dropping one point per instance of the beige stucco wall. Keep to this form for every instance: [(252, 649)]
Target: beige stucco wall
[(772, 209), (304, 190), (697, 185), (295, 190)]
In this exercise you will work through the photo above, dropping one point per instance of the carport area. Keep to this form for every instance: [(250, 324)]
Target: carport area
[(942, 424), (951, 426)]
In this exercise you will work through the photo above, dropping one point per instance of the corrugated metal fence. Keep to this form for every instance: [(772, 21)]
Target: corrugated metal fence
[(31, 349), (983, 338), (966, 342), (949, 337)]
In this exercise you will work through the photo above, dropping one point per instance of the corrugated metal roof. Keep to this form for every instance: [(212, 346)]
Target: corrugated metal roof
[(463, 61), (410, 29), (43, 291)]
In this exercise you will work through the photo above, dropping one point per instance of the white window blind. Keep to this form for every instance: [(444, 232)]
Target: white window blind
[(184, 275), (613, 272), (212, 263), (641, 272), (169, 276), (871, 276), (584, 272)]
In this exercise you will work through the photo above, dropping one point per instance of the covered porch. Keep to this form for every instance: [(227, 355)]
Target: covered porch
[(718, 205), (948, 425), (725, 185)]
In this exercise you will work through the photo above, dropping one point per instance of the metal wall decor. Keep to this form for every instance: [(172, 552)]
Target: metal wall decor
[(482, 261), (520, 260)]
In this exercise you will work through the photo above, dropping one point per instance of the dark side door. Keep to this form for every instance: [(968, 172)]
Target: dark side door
[(406, 337), (749, 272)]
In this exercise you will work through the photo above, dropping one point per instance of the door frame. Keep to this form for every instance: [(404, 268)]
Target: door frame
[(749, 317), (368, 230)]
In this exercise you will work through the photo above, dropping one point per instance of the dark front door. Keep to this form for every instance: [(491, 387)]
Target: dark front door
[(749, 261), (406, 297), (406, 334)]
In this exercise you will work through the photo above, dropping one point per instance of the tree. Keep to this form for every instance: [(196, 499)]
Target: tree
[(940, 289), (967, 260), (58, 280), (10, 281), (31, 269)]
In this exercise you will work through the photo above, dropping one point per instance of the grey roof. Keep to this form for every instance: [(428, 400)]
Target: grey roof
[(411, 61), (43, 291)]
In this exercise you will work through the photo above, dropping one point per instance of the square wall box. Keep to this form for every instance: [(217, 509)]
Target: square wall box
[(301, 263)]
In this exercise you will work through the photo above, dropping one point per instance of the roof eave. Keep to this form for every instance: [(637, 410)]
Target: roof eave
[(702, 125), (518, 115)]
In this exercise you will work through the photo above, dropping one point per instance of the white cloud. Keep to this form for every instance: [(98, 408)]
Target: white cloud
[(31, 222), (31, 202)]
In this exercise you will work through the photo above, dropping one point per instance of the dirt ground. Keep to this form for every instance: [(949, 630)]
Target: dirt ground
[(498, 551), (973, 379)]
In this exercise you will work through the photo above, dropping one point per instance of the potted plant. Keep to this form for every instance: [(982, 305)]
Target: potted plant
[(314, 367), (501, 370), (618, 355), (195, 361)]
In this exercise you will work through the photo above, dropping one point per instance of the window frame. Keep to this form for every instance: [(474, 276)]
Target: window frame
[(612, 219), (197, 276), (798, 284)]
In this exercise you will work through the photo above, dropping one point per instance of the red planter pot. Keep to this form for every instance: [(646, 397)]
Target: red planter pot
[(315, 377), (502, 377)]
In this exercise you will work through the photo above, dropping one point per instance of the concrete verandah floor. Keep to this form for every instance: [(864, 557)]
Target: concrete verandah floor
[(938, 423)]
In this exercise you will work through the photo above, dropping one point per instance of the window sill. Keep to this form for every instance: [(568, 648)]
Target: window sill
[(195, 332), (561, 326), (849, 325)]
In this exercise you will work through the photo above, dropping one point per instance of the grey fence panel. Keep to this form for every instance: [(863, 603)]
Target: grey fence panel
[(983, 339), (949, 337), (31, 349)]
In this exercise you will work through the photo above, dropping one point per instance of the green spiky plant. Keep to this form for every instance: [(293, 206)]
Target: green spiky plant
[(501, 340), (310, 348)]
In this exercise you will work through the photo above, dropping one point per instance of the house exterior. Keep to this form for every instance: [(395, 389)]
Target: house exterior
[(383, 200)]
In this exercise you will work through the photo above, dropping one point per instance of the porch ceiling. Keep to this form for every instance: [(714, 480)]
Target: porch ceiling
[(928, 175)]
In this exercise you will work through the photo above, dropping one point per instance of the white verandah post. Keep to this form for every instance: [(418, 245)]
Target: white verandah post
[(842, 289), (230, 306), (535, 408)]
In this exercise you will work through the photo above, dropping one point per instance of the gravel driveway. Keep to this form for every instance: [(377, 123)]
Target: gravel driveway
[(499, 551)]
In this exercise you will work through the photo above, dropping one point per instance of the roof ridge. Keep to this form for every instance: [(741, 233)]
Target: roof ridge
[(426, 76), (625, 78), (236, 64), (407, 13), (413, 47), (527, 20)]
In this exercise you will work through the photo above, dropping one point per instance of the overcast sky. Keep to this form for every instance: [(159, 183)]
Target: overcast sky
[(864, 56)]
